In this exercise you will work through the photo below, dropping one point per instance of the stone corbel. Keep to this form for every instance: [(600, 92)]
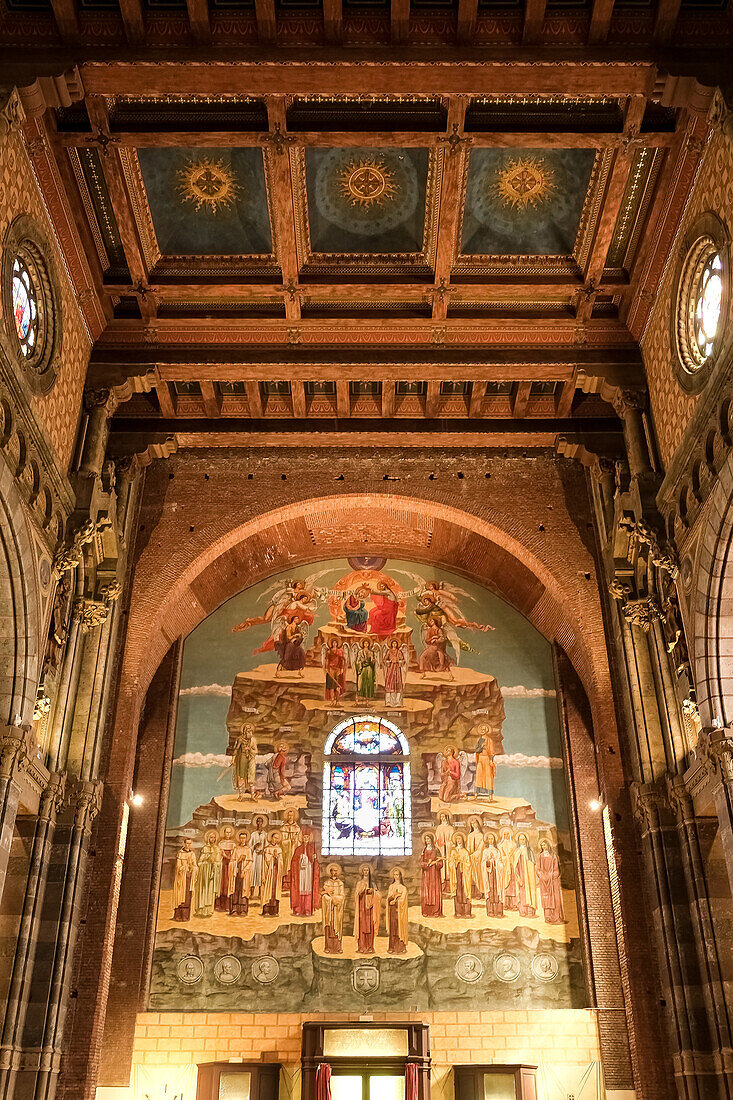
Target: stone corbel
[(70, 553), (52, 91), (18, 750), (85, 801), (642, 612), (647, 800), (715, 746), (680, 800), (642, 534)]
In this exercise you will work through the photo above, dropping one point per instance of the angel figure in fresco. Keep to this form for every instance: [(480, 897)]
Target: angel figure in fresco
[(363, 656), (397, 907), (184, 881), (289, 644), (293, 597), (334, 663), (367, 906), (244, 763), (208, 880), (548, 877), (394, 659), (333, 899)]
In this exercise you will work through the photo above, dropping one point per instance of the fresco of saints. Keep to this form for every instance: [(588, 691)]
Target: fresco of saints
[(525, 876), (367, 906), (208, 880), (450, 777), (240, 876), (383, 615), (299, 597), (475, 847), (334, 662), (277, 782), (492, 869), (184, 881), (291, 837), (226, 847), (431, 886), (444, 841), (441, 597), (485, 766), (507, 849), (289, 645), (459, 863), (272, 876), (548, 876), (434, 657), (305, 895), (333, 898), (395, 668), (365, 666), (244, 763), (257, 841), (397, 907), (357, 616)]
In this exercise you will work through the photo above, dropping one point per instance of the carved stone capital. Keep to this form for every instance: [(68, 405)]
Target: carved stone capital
[(603, 467), (716, 748), (680, 800), (643, 613), (52, 799), (626, 401), (17, 748), (641, 534), (70, 553), (85, 800), (111, 592), (647, 799), (90, 613)]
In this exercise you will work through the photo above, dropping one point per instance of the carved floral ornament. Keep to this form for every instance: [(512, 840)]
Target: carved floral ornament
[(642, 612), (90, 613)]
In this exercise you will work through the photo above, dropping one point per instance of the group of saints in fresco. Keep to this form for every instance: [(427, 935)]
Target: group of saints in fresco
[(370, 640), (240, 871)]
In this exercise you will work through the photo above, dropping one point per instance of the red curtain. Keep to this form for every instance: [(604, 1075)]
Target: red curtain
[(410, 1081), (323, 1082)]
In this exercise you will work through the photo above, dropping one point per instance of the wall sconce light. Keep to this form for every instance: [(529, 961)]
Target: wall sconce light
[(595, 805)]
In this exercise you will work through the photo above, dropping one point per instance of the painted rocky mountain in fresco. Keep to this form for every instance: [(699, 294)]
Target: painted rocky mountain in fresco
[(367, 803)]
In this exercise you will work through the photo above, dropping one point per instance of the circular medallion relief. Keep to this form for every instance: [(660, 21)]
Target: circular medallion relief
[(469, 968), (30, 304), (190, 969), (227, 969), (265, 969), (544, 967), (506, 967), (364, 191)]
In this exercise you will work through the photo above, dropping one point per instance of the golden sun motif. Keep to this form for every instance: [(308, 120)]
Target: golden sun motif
[(367, 182), (525, 181), (208, 182)]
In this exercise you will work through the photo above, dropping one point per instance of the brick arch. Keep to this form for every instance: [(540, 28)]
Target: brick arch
[(331, 526), (19, 608), (712, 606)]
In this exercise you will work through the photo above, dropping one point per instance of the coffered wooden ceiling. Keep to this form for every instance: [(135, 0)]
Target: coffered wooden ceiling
[(439, 240)]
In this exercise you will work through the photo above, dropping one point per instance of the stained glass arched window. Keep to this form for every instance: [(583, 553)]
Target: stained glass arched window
[(366, 789)]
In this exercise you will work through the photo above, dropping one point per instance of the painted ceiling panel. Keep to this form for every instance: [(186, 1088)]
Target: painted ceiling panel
[(206, 202), (525, 201), (366, 200)]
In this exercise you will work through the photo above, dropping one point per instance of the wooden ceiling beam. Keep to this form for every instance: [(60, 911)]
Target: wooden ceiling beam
[(66, 14), (297, 394), (333, 21), (466, 22), (432, 399), (600, 22), (349, 76), (254, 397), (520, 399), (200, 20), (389, 397), (399, 21), (211, 398), (534, 18), (133, 20), (266, 20), (665, 21), (446, 247), (166, 400), (220, 139), (282, 207)]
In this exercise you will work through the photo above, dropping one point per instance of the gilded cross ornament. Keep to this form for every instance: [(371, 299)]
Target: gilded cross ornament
[(454, 140), (277, 140), (367, 182), (209, 183), (525, 182)]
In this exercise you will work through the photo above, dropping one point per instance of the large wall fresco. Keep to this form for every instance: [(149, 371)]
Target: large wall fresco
[(368, 805)]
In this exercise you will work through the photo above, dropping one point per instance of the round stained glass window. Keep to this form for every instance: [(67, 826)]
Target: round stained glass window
[(29, 298), (699, 318), (25, 308)]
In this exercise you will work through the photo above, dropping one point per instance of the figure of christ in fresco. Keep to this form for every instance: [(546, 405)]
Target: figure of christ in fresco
[(475, 847), (397, 907), (184, 881), (333, 898), (431, 886), (305, 895), (208, 880), (226, 847), (434, 657), (525, 876), (507, 848), (277, 782), (365, 666), (357, 616), (334, 663), (383, 615), (395, 668), (240, 876), (548, 877), (492, 870), (485, 766), (291, 836), (244, 763), (460, 877), (450, 777), (444, 842), (289, 645), (257, 841), (367, 906), (272, 876)]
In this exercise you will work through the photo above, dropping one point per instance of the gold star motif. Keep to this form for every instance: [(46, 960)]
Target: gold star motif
[(525, 181), (208, 182), (366, 182)]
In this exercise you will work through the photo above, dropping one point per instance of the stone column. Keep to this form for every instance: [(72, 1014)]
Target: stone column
[(100, 406), (15, 744), (717, 746), (630, 405)]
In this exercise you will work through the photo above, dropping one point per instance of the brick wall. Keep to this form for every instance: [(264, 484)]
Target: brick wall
[(58, 411), (672, 407)]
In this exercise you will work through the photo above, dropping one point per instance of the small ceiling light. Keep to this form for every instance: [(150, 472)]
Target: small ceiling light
[(595, 804)]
